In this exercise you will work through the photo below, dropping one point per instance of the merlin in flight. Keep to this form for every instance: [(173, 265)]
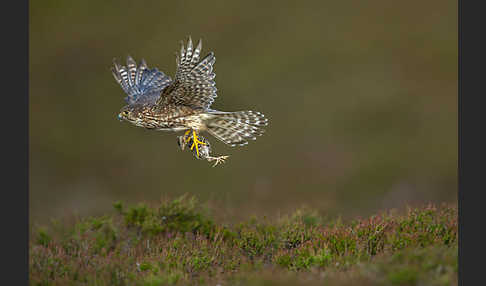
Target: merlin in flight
[(155, 101)]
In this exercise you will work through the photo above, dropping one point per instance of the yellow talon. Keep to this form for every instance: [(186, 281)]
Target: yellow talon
[(195, 141), (186, 139)]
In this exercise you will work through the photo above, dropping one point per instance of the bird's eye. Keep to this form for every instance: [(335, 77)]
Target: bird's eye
[(125, 112)]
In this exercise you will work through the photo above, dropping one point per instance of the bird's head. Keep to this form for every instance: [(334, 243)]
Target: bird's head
[(128, 113)]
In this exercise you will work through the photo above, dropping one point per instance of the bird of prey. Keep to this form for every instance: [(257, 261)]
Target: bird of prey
[(155, 101)]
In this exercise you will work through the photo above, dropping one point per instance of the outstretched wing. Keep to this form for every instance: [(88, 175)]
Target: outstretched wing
[(141, 84), (194, 80)]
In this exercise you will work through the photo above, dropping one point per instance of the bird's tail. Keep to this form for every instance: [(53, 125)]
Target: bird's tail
[(236, 128)]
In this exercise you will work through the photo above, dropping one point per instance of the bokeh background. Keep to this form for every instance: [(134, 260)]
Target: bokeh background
[(361, 97)]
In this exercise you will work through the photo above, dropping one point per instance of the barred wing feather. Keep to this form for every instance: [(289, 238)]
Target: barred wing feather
[(141, 84), (194, 83)]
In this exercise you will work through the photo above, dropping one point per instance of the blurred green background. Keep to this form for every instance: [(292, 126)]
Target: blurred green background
[(361, 97)]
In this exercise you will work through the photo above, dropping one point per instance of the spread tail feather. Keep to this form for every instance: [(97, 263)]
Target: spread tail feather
[(236, 128)]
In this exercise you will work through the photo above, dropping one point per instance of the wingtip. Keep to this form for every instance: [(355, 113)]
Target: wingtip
[(130, 60), (199, 45), (116, 64), (115, 74), (183, 49), (189, 44)]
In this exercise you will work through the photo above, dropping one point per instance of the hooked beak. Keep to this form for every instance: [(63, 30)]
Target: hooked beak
[(120, 117)]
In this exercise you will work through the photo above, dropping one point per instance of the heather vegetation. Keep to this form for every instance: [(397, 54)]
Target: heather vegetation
[(177, 242)]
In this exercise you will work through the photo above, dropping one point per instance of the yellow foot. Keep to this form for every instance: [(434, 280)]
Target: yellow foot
[(195, 141), (218, 160)]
